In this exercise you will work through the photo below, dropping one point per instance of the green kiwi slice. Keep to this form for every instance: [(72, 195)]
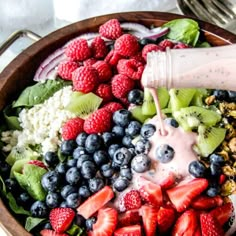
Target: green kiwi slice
[(83, 104), (198, 97), (193, 116), (137, 114)]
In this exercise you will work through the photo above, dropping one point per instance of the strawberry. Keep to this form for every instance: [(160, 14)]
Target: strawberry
[(112, 58), (72, 128), (49, 232), (149, 216), (78, 50), (113, 106), (127, 45), (61, 218), (222, 179), (65, 69), (84, 79), (223, 213), (111, 29), (131, 217), (106, 222), (210, 226), (165, 218), (149, 48), (168, 181), (186, 224), (133, 230), (98, 48), (104, 92), (98, 122), (132, 200), (182, 195), (103, 70), (166, 43), (37, 163), (95, 202), (206, 203)]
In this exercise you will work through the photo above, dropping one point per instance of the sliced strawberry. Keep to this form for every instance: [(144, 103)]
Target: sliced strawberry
[(198, 232), (182, 195), (206, 203), (165, 218), (168, 181), (131, 217), (95, 202), (132, 200), (223, 213), (149, 216), (37, 163), (49, 232), (133, 230), (222, 179), (210, 226), (106, 222), (61, 218), (186, 224)]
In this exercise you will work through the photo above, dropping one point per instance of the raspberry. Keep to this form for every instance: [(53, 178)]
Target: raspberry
[(166, 43), (98, 122), (127, 45), (149, 48), (72, 128), (131, 68), (112, 58), (37, 163), (181, 45), (111, 29), (125, 101), (138, 57), (103, 70), (65, 69), (121, 85), (113, 106), (104, 91), (84, 79), (78, 50), (98, 48), (89, 62)]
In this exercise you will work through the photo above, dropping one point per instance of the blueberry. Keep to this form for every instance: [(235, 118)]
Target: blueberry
[(108, 138), (67, 147), (96, 184), (4, 168), (112, 149), (172, 122), (141, 163), (126, 173), (78, 152), (84, 191), (71, 163), (73, 200), (107, 170), (142, 146), (213, 191), (120, 184), (164, 153), (122, 117), (133, 128), (147, 130), (197, 169), (217, 159), (47, 226), (79, 220), (11, 185), (63, 204), (67, 190), (53, 200), (93, 143), (127, 141), (73, 176), (119, 131), (88, 170), (39, 209), (132, 151), (135, 96), (81, 138), (51, 181), (215, 169), (122, 157), (51, 159), (232, 96), (83, 158), (221, 95), (89, 223), (146, 41), (100, 157), (24, 199), (61, 168)]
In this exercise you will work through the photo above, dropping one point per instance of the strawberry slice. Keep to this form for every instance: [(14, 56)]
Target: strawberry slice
[(223, 213), (206, 203), (49, 232), (133, 230), (106, 222), (131, 217), (186, 224), (210, 226), (165, 218), (37, 163), (168, 181), (182, 195), (132, 200), (149, 216), (61, 218), (95, 202)]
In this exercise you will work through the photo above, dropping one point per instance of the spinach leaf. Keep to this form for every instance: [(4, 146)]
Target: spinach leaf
[(32, 222), (75, 230), (203, 45), (2, 186), (183, 30), (61, 157), (39, 92), (11, 119)]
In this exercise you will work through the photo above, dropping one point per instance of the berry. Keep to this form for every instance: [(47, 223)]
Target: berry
[(135, 96), (51, 159), (98, 48), (141, 163), (130, 230), (89, 62), (67, 190), (108, 138), (168, 180), (93, 143), (111, 29), (84, 79), (150, 48), (147, 130), (79, 220), (128, 218), (166, 43), (104, 71), (80, 139), (122, 157), (88, 170), (79, 151), (113, 106), (82, 159), (38, 163), (120, 184), (213, 191), (133, 128), (197, 169), (78, 50), (142, 146), (84, 191), (104, 92), (221, 95), (125, 172), (73, 176), (24, 199), (67, 147), (127, 141), (61, 218), (4, 168), (73, 200), (107, 170), (112, 149), (232, 96), (132, 200), (100, 157), (215, 169), (66, 68), (53, 200), (95, 184), (206, 203), (39, 209), (164, 153), (122, 117), (118, 131), (146, 41), (71, 163), (181, 45), (90, 222), (11, 185), (51, 181), (138, 57), (217, 159), (165, 218), (49, 232), (127, 45), (172, 122), (98, 122), (112, 58)]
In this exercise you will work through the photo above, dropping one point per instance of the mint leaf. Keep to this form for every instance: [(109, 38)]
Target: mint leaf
[(11, 119), (32, 222), (75, 230)]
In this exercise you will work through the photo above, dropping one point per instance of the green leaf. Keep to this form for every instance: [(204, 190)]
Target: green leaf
[(30, 180), (61, 157), (75, 230), (203, 45), (183, 30), (32, 222), (11, 119), (3, 186), (39, 92)]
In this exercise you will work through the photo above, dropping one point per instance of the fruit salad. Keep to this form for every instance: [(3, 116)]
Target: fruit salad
[(82, 152)]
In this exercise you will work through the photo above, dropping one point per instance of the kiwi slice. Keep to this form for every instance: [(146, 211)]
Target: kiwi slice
[(163, 96), (83, 104), (137, 114), (193, 116), (209, 138), (148, 107), (198, 97)]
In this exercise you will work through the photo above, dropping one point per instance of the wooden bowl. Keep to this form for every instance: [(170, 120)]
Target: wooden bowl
[(19, 73)]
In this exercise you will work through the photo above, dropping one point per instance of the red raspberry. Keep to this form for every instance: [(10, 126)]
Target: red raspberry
[(181, 45), (84, 79), (65, 69), (131, 68), (113, 106), (138, 57), (98, 122), (104, 91), (103, 70), (37, 163), (125, 101), (99, 48), (166, 43), (121, 85), (149, 48), (78, 50), (112, 58), (89, 62), (72, 128), (127, 45), (111, 29)]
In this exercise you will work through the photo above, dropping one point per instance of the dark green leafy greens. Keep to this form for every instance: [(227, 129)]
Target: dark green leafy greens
[(75, 230), (32, 222), (11, 118)]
